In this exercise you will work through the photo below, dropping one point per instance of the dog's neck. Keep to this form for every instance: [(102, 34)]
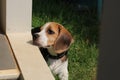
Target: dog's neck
[(51, 51)]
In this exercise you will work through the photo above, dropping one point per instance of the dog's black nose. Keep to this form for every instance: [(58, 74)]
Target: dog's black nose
[(35, 36), (34, 32)]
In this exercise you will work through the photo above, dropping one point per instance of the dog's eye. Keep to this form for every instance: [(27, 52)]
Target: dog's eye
[(50, 31)]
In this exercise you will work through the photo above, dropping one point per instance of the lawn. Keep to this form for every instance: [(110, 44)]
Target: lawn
[(83, 25)]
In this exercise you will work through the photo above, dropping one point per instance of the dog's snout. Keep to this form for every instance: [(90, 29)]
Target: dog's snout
[(35, 36)]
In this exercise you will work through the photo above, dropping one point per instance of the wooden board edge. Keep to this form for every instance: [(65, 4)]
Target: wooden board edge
[(9, 74)]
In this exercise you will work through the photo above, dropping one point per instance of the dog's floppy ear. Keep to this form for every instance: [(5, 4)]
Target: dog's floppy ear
[(63, 40)]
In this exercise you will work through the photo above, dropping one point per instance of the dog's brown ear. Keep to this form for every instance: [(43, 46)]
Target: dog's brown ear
[(63, 40)]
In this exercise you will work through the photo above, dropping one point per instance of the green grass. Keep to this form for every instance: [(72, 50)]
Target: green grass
[(84, 28)]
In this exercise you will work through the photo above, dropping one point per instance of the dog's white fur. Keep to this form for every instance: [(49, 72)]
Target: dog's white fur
[(43, 38), (58, 67)]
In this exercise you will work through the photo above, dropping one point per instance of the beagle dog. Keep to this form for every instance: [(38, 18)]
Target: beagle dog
[(54, 42)]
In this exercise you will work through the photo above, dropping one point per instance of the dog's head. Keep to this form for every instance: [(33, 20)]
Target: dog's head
[(52, 34)]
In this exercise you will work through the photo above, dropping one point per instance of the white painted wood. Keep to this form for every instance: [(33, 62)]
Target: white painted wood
[(9, 74), (17, 25), (8, 66), (18, 15), (16, 22), (31, 62)]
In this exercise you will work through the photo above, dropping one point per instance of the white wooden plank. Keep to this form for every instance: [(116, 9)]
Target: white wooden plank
[(29, 58), (8, 66), (9, 74), (18, 15)]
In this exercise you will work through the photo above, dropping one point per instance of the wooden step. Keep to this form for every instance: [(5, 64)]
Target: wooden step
[(8, 67)]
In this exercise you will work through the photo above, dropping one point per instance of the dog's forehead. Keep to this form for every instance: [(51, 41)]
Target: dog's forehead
[(51, 25), (45, 26)]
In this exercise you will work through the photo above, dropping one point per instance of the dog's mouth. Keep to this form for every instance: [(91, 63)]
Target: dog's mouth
[(36, 40), (37, 43)]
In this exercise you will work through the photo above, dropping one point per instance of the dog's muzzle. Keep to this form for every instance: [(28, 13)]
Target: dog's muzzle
[(35, 36), (34, 32)]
